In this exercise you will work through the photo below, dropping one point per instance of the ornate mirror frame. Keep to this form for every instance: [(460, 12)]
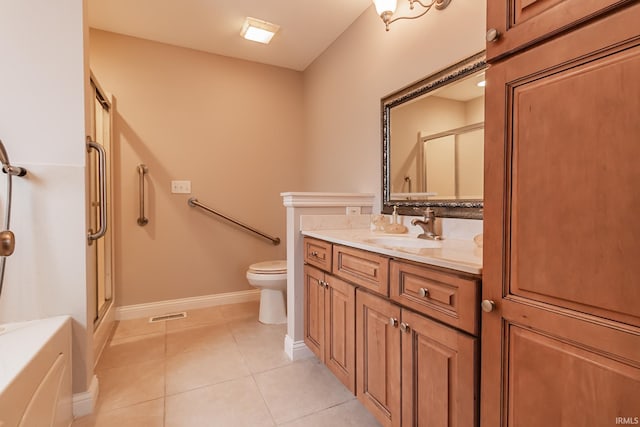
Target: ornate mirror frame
[(443, 208)]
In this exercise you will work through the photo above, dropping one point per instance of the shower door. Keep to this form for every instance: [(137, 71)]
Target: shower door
[(99, 183)]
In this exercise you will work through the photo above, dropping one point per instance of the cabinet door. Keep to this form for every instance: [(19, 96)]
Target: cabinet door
[(561, 231), (314, 296), (340, 341), (378, 357), (522, 23), (439, 381)]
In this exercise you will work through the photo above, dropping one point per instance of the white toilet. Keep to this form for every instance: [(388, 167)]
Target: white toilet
[(271, 278)]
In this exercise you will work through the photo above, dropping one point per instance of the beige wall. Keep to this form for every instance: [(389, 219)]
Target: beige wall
[(232, 127), (411, 122), (343, 88)]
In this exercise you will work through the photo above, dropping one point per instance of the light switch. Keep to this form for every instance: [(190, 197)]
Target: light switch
[(181, 187)]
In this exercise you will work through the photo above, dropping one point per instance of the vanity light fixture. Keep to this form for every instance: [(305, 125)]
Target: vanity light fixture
[(386, 9), (258, 30)]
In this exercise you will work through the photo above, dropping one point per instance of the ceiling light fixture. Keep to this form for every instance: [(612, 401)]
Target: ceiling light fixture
[(386, 9), (258, 31)]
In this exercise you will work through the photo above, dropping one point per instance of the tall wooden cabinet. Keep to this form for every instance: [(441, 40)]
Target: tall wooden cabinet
[(561, 335)]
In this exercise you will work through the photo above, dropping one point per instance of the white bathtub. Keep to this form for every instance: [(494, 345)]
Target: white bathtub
[(35, 373)]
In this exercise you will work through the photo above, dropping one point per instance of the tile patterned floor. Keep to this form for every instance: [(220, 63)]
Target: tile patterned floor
[(218, 367)]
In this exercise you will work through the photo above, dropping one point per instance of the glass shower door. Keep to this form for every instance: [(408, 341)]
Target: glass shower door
[(100, 202)]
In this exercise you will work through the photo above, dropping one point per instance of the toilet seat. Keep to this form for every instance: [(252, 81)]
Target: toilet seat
[(269, 267)]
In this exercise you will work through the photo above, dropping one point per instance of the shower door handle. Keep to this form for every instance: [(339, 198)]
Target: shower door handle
[(102, 183)]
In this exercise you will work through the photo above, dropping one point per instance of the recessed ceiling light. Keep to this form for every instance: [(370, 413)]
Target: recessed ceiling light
[(258, 31)]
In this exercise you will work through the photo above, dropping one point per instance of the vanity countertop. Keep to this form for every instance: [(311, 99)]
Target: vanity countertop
[(461, 255)]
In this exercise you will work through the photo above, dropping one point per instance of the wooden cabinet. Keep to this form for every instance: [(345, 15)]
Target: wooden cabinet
[(378, 357), (362, 268), (314, 298), (523, 23), (317, 253), (439, 375), (329, 327), (411, 370), (562, 240), (450, 298), (405, 367)]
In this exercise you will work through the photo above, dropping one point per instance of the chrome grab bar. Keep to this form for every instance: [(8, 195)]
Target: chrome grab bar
[(193, 202), (102, 167), (142, 171)]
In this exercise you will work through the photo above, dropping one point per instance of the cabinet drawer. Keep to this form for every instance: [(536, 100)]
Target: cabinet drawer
[(447, 297), (362, 268), (317, 253)]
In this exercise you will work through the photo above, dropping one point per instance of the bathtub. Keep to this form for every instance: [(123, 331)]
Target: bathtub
[(35, 373)]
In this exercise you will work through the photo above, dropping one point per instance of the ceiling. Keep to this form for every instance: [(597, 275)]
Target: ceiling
[(306, 29)]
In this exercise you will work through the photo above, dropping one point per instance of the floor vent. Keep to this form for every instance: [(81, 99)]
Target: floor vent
[(172, 316)]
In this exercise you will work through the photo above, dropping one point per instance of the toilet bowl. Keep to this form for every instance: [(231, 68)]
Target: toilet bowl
[(271, 278)]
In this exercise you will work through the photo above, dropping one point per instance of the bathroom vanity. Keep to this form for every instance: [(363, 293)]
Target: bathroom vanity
[(396, 319)]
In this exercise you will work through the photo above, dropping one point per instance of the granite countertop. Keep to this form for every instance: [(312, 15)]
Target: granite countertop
[(460, 255)]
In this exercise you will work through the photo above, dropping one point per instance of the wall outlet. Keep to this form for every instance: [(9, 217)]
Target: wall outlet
[(353, 210), (181, 187)]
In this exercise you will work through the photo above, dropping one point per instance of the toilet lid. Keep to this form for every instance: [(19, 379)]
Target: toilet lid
[(269, 267)]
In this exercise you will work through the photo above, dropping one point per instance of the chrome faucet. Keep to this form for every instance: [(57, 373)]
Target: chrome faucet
[(428, 225)]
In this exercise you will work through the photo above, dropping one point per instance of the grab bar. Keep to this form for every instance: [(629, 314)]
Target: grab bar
[(142, 171), (193, 202), (102, 179)]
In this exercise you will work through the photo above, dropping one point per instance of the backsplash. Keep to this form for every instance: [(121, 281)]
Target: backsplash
[(450, 228)]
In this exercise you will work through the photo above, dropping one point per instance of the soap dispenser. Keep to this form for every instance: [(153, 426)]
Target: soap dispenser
[(395, 227)]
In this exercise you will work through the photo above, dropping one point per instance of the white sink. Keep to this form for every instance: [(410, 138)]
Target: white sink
[(402, 242)]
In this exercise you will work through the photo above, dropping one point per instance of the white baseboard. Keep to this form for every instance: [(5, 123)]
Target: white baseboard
[(296, 350), (138, 311), (85, 402)]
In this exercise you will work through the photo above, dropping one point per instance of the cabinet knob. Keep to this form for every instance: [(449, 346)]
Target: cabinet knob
[(487, 305), (393, 322), (423, 292), (404, 327), (493, 35), (314, 253), (325, 284)]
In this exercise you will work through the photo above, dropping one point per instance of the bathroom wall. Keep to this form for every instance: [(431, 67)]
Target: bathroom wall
[(43, 82), (428, 116), (343, 88), (232, 127)]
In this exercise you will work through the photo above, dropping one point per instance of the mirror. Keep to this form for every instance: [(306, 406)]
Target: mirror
[(433, 143)]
